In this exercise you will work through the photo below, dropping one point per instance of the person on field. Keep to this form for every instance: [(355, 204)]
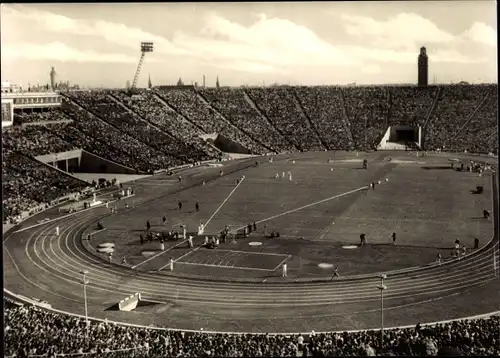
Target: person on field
[(335, 272), (486, 214)]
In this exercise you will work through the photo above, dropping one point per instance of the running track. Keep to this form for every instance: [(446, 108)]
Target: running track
[(39, 264)]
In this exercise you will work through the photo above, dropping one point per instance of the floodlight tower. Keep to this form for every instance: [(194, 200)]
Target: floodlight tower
[(145, 47)]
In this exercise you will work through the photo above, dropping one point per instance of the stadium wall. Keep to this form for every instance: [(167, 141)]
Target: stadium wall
[(91, 163), (227, 145), (62, 160), (384, 139), (81, 161)]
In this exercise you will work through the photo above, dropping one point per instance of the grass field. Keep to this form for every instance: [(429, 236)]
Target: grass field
[(324, 207)]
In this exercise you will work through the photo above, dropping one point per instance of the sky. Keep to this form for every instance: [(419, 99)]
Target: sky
[(296, 43)]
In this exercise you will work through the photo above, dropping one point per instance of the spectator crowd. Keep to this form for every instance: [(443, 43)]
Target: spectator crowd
[(158, 129), (27, 184), (232, 103), (455, 105), (34, 331), (191, 105), (281, 107)]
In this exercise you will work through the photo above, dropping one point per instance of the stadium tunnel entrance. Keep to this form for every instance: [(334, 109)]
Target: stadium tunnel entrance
[(401, 137), (227, 145)]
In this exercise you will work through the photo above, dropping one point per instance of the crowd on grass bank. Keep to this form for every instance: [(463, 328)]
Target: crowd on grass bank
[(34, 331)]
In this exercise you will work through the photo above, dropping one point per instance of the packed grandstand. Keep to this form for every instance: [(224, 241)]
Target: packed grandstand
[(36, 332), (158, 129)]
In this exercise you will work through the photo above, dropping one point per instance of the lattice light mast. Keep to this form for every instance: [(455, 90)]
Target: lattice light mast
[(145, 47)]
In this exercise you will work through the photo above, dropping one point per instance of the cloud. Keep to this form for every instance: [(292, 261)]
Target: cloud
[(453, 56), (116, 33), (268, 45), (481, 33), (271, 41), (406, 30), (60, 52), (382, 55), (371, 69), (397, 39)]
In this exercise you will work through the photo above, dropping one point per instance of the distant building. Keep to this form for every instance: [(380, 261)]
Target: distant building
[(423, 68), (8, 87), (53, 79)]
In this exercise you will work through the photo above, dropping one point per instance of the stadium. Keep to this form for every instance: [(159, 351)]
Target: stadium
[(251, 221)]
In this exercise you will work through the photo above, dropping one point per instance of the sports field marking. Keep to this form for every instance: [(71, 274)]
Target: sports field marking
[(282, 262), (59, 218), (327, 230), (228, 258), (307, 206), (158, 254), (222, 266), (252, 253), (177, 259), (225, 200), (96, 232), (162, 183), (71, 214)]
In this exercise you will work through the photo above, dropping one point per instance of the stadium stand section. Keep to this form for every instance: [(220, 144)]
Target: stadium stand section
[(30, 330), (49, 115), (455, 106), (148, 106), (368, 111), (104, 107), (481, 126), (233, 104), (324, 108), (195, 108), (27, 184), (159, 129), (282, 109)]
